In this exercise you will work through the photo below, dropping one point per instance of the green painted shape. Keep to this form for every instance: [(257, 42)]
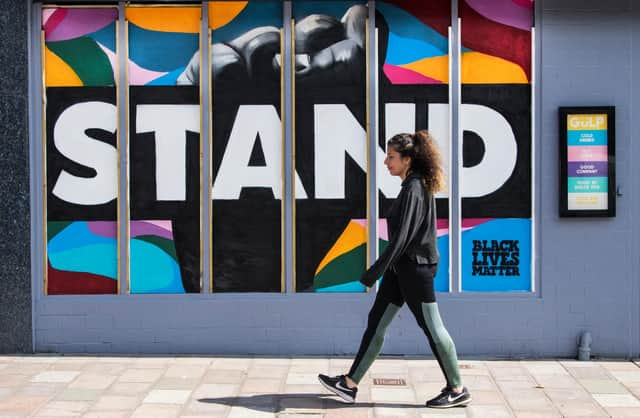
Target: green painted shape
[(343, 269), (382, 245), (164, 244), (54, 227), (87, 59)]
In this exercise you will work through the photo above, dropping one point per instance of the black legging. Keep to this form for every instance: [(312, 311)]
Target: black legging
[(411, 283)]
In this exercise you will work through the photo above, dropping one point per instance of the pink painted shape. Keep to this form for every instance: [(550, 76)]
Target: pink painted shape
[(443, 227), (79, 22), (107, 229), (587, 153), (53, 20), (382, 229), (399, 75), (147, 228), (139, 76), (162, 224), (46, 14), (504, 11), (441, 224), (361, 222), (113, 59)]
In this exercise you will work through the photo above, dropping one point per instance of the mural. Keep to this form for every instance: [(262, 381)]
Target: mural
[(496, 166), (80, 150), (247, 147), (330, 146), (330, 166), (413, 59), (164, 150)]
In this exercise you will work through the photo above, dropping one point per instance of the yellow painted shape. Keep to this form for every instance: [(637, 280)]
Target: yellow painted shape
[(434, 67), (58, 73), (479, 68), (587, 122), (166, 19), (223, 12), (353, 236)]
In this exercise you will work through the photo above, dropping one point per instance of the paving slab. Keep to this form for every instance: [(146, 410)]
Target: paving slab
[(286, 387)]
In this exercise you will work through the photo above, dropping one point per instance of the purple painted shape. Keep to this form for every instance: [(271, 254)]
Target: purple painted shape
[(587, 169), (108, 229), (79, 22), (504, 11), (399, 75), (145, 228)]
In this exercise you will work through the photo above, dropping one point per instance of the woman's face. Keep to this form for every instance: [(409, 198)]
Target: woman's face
[(396, 163)]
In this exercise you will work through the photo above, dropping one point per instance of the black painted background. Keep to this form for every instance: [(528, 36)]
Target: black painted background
[(246, 243), (184, 216)]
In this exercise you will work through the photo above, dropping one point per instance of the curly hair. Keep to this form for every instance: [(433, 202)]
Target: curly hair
[(426, 160)]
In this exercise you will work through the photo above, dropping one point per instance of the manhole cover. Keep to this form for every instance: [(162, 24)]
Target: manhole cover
[(389, 382)]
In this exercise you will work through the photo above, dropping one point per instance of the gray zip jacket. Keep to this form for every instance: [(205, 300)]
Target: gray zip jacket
[(411, 223)]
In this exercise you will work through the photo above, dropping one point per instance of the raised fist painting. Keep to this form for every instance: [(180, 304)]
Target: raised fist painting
[(328, 50)]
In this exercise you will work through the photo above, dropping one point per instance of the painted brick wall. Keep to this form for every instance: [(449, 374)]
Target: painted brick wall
[(588, 268)]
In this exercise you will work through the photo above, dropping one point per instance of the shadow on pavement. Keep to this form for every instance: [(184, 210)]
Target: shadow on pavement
[(279, 402)]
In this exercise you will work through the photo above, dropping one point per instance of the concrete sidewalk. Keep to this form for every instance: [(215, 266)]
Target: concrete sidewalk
[(234, 387)]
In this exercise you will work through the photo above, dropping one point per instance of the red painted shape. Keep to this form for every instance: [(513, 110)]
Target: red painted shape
[(74, 283), (434, 13), (483, 35), (527, 4)]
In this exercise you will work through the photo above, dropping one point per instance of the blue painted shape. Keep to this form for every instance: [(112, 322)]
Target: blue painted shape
[(255, 15), (169, 79), (100, 259), (105, 36), (354, 287), (499, 230), (75, 235), (441, 281), (337, 9), (594, 137), (410, 37), (153, 270), (406, 50), (161, 51)]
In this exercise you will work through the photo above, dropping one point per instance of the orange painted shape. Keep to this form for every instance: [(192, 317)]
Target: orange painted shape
[(223, 12), (166, 19), (353, 236), (434, 67), (479, 68), (58, 73)]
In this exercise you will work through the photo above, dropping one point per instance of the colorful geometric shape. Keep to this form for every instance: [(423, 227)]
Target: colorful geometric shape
[(223, 12), (166, 19), (58, 73), (478, 68), (67, 24), (87, 60)]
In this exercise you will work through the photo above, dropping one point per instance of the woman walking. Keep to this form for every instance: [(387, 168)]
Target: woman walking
[(409, 264)]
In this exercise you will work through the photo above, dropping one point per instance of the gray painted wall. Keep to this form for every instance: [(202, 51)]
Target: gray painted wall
[(15, 274), (587, 268)]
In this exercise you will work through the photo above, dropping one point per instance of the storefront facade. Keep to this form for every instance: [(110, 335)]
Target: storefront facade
[(232, 211)]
